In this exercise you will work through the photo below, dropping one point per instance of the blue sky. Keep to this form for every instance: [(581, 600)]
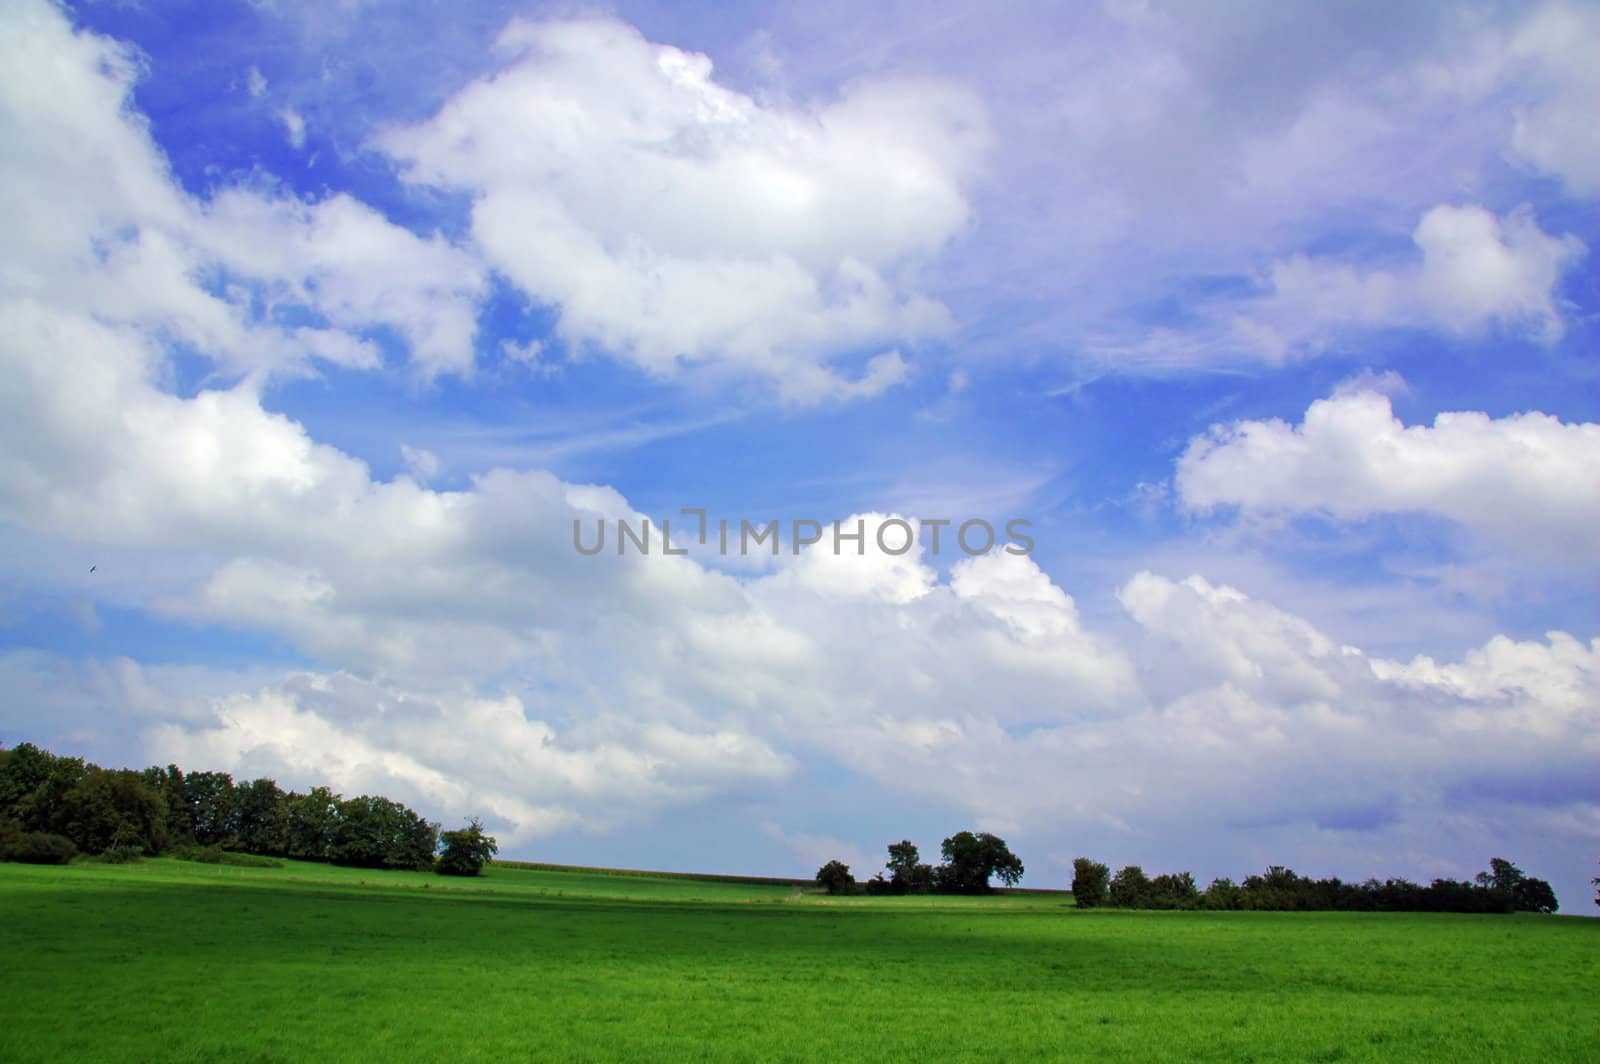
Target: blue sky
[(1277, 322)]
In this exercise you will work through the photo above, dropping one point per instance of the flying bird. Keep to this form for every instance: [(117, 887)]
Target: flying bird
[(92, 568)]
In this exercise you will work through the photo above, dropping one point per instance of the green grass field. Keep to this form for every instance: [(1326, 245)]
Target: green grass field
[(167, 960)]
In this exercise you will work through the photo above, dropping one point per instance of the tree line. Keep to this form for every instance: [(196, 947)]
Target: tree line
[(1504, 888), (970, 861), (53, 808)]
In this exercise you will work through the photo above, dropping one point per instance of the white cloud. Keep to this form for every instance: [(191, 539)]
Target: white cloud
[(1250, 715), (1184, 147), (613, 686), (423, 463), (532, 356), (1554, 52), (1256, 716), (849, 562), (466, 754), (449, 752), (677, 222), (390, 579), (1229, 639), (1528, 480), (1473, 273), (1140, 157), (256, 82), (294, 127), (97, 226), (1476, 270), (1550, 686), (345, 261)]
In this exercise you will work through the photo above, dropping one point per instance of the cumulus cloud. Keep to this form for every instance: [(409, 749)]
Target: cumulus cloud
[(1553, 53), (1253, 716), (1473, 273), (97, 226), (1476, 270), (344, 261), (397, 584), (1146, 152), (1241, 713), (1226, 638), (676, 222), (1549, 686), (1528, 480), (460, 752), (391, 579)]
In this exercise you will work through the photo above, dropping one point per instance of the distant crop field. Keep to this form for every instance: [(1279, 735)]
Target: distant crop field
[(168, 960)]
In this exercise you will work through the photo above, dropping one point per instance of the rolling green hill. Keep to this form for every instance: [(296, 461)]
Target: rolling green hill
[(169, 960)]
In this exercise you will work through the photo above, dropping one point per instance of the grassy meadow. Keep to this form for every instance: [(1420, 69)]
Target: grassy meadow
[(169, 960)]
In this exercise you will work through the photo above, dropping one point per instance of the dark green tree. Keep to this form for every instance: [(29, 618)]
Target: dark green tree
[(907, 873), (213, 807), (835, 878), (261, 818), (1535, 896), (33, 847), (903, 857), (107, 810), (466, 850), (970, 861), (1223, 893), (1130, 887), (1503, 876), (1522, 893), (1090, 881), (168, 782), (1173, 891), (309, 823), (32, 782), (378, 832)]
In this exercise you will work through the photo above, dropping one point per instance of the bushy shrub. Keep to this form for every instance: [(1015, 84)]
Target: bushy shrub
[(119, 855), (1130, 888), (835, 878), (1223, 893), (1090, 883), (466, 850), (37, 847), (1503, 889), (218, 856), (1173, 891)]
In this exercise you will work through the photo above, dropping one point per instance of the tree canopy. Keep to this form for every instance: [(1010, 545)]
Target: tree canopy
[(53, 807), (970, 862), (1502, 889), (466, 850), (835, 878)]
